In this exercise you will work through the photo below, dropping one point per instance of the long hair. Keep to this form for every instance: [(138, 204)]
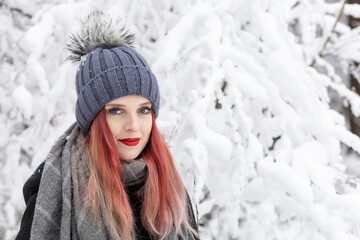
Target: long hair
[(164, 207)]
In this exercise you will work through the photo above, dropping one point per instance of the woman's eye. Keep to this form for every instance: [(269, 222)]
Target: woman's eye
[(115, 111), (145, 110)]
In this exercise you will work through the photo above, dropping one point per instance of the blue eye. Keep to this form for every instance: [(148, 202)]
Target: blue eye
[(145, 110), (115, 111)]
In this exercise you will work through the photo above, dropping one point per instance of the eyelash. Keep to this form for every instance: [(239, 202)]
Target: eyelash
[(113, 110), (118, 111), (148, 110)]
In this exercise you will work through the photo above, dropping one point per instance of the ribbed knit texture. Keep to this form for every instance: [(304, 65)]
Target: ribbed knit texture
[(107, 74)]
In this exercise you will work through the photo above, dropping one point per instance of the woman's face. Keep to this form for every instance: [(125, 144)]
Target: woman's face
[(130, 122)]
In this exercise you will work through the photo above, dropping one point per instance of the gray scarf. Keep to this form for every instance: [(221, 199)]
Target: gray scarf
[(134, 172), (58, 212)]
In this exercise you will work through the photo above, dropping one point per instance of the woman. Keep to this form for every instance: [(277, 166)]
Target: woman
[(110, 176)]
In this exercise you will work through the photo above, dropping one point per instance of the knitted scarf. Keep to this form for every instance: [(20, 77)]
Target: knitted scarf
[(59, 202)]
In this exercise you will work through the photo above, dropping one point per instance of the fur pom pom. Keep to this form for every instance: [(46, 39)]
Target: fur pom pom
[(98, 30)]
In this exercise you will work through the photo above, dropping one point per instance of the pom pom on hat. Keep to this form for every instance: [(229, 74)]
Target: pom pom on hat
[(110, 68), (98, 30)]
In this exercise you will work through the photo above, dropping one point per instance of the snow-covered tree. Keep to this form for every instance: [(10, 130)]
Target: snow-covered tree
[(247, 92)]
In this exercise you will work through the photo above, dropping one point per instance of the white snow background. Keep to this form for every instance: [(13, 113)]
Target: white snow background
[(246, 114)]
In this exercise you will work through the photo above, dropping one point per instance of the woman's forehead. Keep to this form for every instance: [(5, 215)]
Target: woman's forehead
[(129, 100)]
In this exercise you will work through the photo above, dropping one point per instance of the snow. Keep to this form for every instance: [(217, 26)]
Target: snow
[(352, 10), (250, 122), (23, 101)]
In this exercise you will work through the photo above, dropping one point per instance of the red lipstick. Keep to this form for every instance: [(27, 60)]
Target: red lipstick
[(130, 141)]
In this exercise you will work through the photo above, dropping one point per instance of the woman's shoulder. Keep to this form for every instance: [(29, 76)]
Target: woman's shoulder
[(30, 190), (31, 186)]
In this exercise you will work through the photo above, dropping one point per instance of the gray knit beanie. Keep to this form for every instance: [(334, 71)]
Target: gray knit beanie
[(110, 68)]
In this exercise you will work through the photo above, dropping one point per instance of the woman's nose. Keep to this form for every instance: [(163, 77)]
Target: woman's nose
[(132, 123)]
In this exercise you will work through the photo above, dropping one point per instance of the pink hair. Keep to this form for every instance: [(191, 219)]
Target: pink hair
[(164, 206)]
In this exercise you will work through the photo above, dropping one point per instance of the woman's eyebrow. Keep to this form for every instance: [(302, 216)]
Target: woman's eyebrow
[(145, 103), (121, 105), (114, 105)]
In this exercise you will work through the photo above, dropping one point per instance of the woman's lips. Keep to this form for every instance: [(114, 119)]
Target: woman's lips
[(130, 141)]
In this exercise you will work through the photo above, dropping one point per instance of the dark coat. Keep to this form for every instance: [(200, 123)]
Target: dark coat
[(31, 188)]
